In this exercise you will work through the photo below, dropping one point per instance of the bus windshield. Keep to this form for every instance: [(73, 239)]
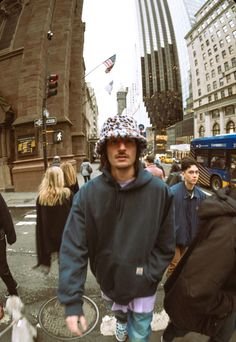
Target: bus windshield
[(216, 157)]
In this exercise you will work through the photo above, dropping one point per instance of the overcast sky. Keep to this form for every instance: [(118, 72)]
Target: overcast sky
[(111, 28)]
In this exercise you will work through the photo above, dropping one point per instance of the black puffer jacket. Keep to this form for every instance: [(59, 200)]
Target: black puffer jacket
[(201, 292), (6, 223)]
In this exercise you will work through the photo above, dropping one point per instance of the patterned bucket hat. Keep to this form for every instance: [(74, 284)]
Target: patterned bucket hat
[(120, 126)]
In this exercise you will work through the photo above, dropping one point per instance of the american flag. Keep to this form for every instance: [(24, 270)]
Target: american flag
[(109, 63)]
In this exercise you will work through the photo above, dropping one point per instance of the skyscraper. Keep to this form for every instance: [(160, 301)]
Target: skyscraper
[(159, 64), (182, 14)]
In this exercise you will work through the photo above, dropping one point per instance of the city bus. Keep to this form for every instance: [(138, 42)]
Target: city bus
[(216, 157)]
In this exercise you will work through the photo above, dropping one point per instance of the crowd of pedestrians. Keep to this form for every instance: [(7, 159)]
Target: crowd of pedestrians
[(136, 227)]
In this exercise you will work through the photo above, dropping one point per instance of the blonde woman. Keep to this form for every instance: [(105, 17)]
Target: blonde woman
[(53, 206), (70, 177)]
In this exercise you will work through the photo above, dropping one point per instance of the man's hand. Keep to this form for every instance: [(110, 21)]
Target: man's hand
[(72, 324)]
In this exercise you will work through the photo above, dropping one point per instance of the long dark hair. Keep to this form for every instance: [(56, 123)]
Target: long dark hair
[(104, 162)]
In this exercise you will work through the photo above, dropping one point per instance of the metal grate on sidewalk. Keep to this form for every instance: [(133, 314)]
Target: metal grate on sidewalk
[(52, 319)]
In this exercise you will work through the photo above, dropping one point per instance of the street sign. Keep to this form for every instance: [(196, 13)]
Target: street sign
[(49, 121)]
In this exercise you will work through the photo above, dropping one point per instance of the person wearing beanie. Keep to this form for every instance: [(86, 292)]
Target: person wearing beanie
[(123, 222)]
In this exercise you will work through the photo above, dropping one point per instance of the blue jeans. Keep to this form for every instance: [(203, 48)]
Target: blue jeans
[(139, 326)]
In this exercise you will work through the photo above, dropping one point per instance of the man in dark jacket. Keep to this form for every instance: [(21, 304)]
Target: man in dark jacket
[(187, 198), (7, 230), (122, 221), (200, 295)]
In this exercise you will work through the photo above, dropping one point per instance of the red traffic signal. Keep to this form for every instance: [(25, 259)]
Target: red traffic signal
[(52, 85)]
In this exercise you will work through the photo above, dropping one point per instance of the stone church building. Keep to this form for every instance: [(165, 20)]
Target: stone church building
[(28, 54)]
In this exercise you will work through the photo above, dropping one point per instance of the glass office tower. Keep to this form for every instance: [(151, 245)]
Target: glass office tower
[(164, 57)]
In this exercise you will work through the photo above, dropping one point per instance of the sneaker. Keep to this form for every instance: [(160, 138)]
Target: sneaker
[(7, 295), (121, 331)]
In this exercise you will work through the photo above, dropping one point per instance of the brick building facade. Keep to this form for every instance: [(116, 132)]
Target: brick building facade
[(27, 56)]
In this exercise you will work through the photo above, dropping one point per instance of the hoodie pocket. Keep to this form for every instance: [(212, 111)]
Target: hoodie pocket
[(131, 282)]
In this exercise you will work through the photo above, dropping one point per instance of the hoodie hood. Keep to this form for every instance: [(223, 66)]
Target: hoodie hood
[(222, 203), (143, 177)]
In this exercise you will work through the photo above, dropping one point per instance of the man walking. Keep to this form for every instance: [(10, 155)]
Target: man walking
[(122, 221), (187, 198)]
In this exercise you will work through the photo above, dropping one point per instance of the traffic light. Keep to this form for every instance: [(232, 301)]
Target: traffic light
[(57, 136), (52, 85)]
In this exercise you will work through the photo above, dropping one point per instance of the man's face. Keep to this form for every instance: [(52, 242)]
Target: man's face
[(121, 152), (191, 175)]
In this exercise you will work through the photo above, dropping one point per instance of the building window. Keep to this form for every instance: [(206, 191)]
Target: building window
[(201, 131), (218, 33), (200, 38), (230, 127), (199, 102), (215, 47), (195, 62), (213, 73), (222, 20), (211, 62), (223, 53), (205, 66), (231, 23), (215, 96), (215, 113), (202, 46), (212, 38), (219, 69), (228, 78), (229, 110), (207, 42), (199, 92), (224, 5), (227, 14), (209, 98), (209, 52), (207, 76), (204, 56), (216, 129), (197, 72), (198, 81), (226, 66), (201, 116), (231, 50), (233, 61), (221, 43), (222, 93), (217, 58), (194, 53), (214, 85), (234, 33), (208, 87), (211, 29), (228, 39), (224, 28), (216, 24), (230, 91)]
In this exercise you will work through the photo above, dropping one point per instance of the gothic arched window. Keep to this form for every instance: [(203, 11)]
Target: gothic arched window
[(230, 127), (201, 131), (216, 129)]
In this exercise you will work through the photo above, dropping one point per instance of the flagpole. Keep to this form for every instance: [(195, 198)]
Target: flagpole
[(92, 70)]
